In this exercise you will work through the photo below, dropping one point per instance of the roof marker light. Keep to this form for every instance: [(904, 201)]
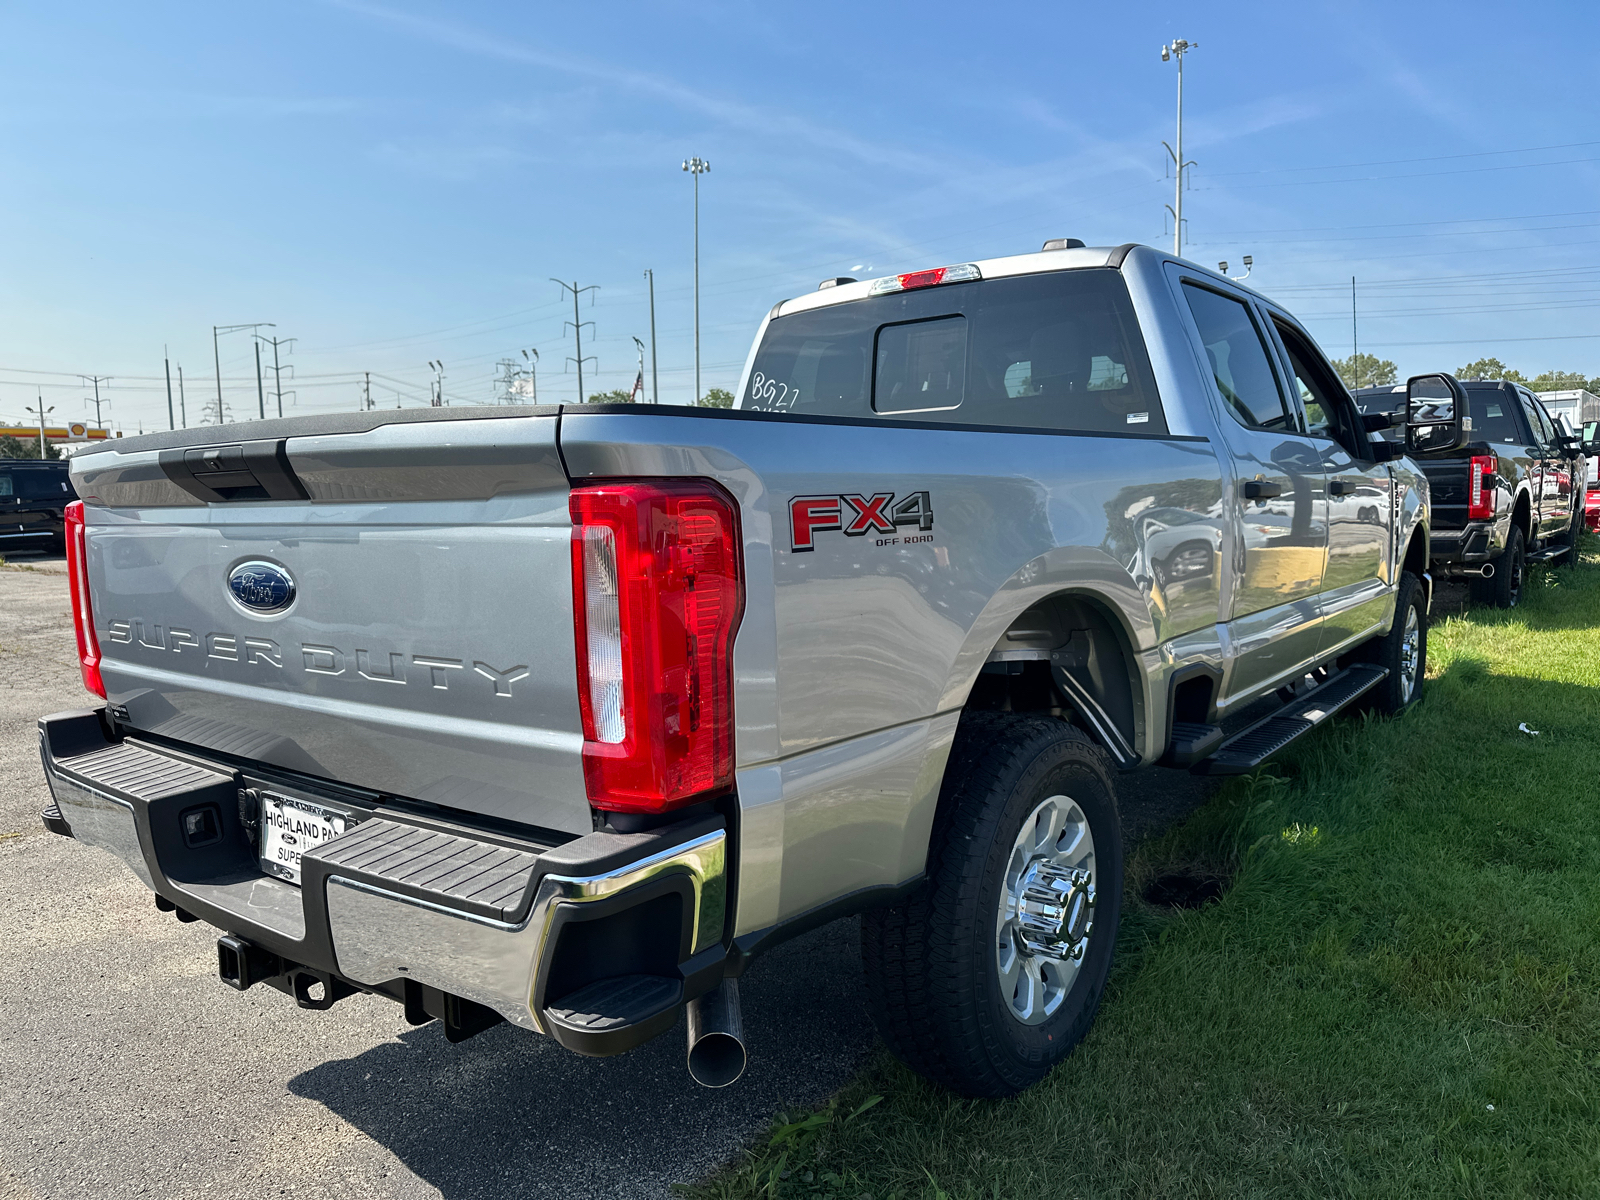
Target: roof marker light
[(921, 279)]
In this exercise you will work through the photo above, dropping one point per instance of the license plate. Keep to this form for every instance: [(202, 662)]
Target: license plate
[(291, 827)]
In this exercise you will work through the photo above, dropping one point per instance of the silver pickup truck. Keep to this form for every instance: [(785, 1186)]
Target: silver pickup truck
[(561, 716)]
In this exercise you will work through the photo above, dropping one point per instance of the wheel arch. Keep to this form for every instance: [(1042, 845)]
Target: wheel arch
[(1071, 653)]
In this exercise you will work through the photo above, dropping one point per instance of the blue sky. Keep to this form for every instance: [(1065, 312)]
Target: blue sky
[(392, 182)]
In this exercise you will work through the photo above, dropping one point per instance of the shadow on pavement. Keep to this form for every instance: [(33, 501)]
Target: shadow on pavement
[(512, 1113)]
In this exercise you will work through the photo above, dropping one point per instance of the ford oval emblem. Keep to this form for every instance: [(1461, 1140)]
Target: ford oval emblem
[(261, 586)]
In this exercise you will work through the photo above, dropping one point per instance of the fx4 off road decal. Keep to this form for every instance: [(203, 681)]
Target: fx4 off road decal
[(857, 516)]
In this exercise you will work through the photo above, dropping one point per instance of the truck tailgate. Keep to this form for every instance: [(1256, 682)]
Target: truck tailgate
[(427, 652)]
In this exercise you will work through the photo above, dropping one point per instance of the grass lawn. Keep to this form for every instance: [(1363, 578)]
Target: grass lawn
[(1397, 995)]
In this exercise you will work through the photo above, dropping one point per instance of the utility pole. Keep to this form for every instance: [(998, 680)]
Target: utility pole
[(97, 380), (533, 372), (696, 167), (577, 328), (277, 368), (655, 383), (183, 408), (638, 380), (437, 400), (261, 395), (1355, 341), (366, 391), (171, 424), (40, 412), (216, 354), (1177, 50)]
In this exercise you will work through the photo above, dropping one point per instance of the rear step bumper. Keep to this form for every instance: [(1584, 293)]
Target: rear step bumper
[(599, 941)]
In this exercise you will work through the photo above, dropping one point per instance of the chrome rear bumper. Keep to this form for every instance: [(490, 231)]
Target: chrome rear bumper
[(402, 902)]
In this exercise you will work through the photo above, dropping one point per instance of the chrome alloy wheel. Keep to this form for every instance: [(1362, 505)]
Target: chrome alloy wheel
[(1046, 910), (1410, 654)]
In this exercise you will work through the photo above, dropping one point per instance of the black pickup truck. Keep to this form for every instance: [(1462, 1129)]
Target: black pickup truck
[(34, 495), (1511, 493)]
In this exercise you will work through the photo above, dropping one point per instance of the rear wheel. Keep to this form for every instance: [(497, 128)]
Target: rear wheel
[(1504, 588), (993, 971)]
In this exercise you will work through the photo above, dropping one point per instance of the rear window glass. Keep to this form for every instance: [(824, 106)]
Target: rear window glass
[(1053, 351), (1492, 417), (921, 366), (1490, 409), (33, 484)]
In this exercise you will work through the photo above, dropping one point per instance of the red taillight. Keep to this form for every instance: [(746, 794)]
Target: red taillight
[(656, 600), (1480, 498), (82, 615)]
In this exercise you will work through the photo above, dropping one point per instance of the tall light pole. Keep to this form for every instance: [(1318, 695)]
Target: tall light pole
[(696, 167), (40, 412), (216, 354), (183, 407), (1177, 49), (171, 421), (655, 383)]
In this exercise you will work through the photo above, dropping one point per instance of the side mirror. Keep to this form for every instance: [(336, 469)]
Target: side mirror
[(1436, 406)]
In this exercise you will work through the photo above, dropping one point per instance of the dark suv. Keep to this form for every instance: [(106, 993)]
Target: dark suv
[(34, 495)]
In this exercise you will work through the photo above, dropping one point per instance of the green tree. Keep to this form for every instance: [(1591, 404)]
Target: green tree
[(1489, 368), (1365, 370), (1561, 381), (615, 396), (15, 447), (717, 398)]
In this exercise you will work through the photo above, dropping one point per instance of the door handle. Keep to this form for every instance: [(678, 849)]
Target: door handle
[(1340, 487), (1261, 489)]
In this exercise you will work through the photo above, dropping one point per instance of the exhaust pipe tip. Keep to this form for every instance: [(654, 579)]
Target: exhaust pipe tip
[(1488, 570), (717, 1056)]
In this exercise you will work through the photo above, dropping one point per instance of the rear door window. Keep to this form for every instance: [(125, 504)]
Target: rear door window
[(1239, 360), (1060, 350)]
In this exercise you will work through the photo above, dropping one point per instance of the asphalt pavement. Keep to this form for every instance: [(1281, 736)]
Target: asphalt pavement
[(128, 1069)]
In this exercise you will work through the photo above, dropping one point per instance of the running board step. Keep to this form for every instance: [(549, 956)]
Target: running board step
[(1249, 748), (1546, 554), (1191, 742)]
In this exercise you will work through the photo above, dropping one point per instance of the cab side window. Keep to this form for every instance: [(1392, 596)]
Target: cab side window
[(1538, 423), (1326, 403), (1239, 360)]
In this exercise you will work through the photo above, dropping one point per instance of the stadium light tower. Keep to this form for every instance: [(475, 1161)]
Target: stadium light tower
[(696, 167), (1177, 49)]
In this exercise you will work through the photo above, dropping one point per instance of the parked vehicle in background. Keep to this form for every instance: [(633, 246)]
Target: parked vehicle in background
[(1581, 410), (562, 716), (1508, 495), (34, 494)]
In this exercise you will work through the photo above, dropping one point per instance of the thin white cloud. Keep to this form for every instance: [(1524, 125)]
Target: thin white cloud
[(769, 123)]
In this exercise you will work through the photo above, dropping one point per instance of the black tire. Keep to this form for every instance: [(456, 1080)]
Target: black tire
[(1569, 539), (1402, 687), (1504, 588), (932, 964)]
